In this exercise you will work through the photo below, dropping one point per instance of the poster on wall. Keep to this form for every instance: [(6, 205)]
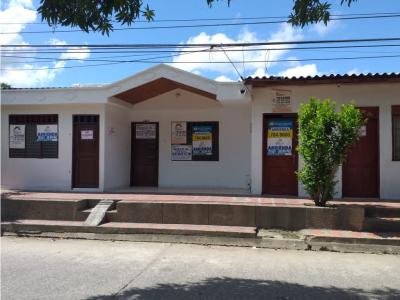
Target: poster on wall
[(281, 102), (202, 140), (17, 136), (181, 152), (280, 136), (178, 133), (145, 131), (47, 133)]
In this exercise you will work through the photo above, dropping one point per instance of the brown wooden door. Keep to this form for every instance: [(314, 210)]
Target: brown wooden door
[(361, 169), (85, 161), (280, 159), (144, 162)]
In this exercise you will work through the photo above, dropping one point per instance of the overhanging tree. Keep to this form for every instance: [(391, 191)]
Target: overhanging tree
[(325, 135), (98, 15), (4, 86)]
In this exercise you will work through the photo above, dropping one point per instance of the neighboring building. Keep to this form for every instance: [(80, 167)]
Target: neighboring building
[(169, 128)]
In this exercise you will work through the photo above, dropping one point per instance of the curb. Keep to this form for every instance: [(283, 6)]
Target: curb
[(308, 243), (363, 245), (170, 238)]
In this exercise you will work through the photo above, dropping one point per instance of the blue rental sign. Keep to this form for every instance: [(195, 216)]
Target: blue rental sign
[(202, 140), (279, 137), (47, 133)]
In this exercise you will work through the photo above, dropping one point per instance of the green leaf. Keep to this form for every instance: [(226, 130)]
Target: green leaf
[(325, 135)]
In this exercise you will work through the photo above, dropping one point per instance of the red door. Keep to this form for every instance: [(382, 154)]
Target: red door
[(144, 161), (85, 160), (280, 158), (361, 169)]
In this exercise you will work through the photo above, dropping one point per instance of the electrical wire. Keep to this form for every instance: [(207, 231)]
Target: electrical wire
[(219, 19), (208, 45), (196, 25), (145, 52), (111, 62)]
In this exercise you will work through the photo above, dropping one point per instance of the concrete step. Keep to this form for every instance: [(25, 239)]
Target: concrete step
[(35, 226), (377, 224), (42, 209), (185, 229), (382, 212), (287, 217)]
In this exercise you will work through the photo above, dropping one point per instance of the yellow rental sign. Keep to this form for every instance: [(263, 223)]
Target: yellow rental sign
[(280, 134)]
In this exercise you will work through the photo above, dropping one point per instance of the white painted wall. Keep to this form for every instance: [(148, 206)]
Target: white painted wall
[(382, 95), (240, 130), (79, 95), (117, 146), (52, 173), (233, 168)]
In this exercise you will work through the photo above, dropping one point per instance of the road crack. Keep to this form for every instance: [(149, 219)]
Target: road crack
[(148, 266)]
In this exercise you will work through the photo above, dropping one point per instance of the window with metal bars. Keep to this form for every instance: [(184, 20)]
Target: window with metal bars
[(396, 132), (211, 131), (31, 146)]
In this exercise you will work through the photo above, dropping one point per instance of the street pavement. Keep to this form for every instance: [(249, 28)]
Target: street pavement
[(34, 268)]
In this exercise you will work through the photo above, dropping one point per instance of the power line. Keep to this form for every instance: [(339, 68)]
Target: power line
[(232, 63), (98, 58), (199, 25), (219, 19), (208, 45), (145, 52), (111, 62)]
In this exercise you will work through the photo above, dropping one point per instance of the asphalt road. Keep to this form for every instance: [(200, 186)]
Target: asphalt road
[(33, 268)]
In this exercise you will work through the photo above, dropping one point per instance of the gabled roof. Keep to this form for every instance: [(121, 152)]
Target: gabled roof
[(324, 79), (161, 79)]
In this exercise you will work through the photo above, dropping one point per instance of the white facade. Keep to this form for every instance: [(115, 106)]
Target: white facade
[(46, 173), (364, 95), (238, 111)]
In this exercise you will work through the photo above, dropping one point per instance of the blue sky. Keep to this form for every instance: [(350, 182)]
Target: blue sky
[(24, 11)]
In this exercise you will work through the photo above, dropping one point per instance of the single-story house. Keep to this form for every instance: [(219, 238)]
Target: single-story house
[(165, 127)]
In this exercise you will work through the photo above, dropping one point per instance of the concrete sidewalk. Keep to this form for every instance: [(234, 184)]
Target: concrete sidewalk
[(195, 198), (306, 239), (365, 225)]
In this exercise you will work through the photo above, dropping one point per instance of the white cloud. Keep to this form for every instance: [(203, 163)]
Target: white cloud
[(18, 3), (79, 53), (258, 57), (197, 72), (38, 77), (57, 42), (304, 70), (15, 12), (357, 71), (260, 72), (21, 70), (223, 78), (322, 30)]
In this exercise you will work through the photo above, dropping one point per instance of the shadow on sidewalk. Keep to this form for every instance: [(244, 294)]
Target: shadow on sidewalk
[(232, 288)]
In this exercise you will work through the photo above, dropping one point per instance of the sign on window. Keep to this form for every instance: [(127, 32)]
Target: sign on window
[(17, 136), (181, 152), (280, 137), (178, 133), (47, 133), (202, 140)]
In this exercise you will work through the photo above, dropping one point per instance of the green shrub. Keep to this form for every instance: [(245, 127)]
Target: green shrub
[(325, 135)]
